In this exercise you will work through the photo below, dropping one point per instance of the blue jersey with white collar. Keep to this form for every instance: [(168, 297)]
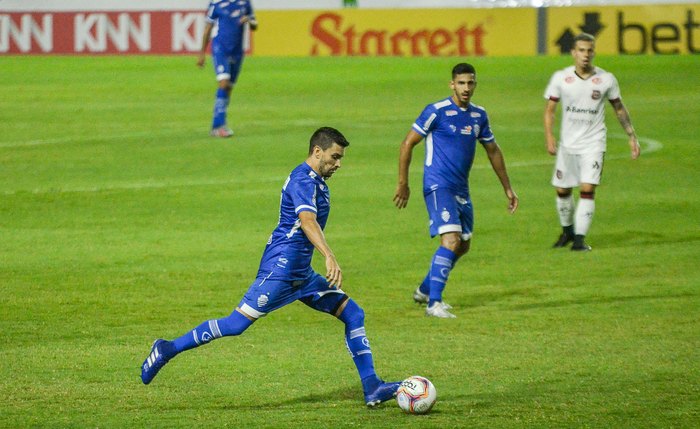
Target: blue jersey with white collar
[(288, 252), (451, 133), (229, 31)]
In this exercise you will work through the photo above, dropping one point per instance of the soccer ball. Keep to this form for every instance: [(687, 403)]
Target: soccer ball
[(416, 395)]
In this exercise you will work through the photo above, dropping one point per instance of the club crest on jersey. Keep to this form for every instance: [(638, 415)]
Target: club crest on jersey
[(450, 112), (467, 130), (453, 128), (595, 95), (569, 79), (445, 215), (596, 80)]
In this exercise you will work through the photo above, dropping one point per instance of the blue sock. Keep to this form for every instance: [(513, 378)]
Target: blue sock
[(425, 286), (358, 345), (220, 108), (234, 324), (440, 268)]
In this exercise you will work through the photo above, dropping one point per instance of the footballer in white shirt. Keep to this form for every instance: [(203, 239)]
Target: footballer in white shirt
[(582, 90)]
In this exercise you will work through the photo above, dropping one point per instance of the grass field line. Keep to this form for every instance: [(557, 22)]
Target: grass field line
[(649, 146)]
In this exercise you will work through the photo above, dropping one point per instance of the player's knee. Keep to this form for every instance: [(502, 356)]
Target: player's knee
[(452, 242), (235, 324), (353, 315), (563, 193)]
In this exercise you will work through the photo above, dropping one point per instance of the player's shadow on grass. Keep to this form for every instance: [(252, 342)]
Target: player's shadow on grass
[(597, 300), (341, 394), (480, 299), (633, 238)]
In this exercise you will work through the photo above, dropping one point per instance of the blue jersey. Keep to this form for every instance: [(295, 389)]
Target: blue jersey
[(288, 252), (451, 133), (229, 32)]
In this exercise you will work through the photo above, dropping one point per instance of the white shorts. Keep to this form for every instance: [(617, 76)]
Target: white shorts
[(570, 170)]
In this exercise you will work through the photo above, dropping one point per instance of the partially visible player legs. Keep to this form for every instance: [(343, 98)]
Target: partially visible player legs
[(584, 216), (346, 310), (565, 208), (163, 351), (375, 389), (452, 247), (218, 125)]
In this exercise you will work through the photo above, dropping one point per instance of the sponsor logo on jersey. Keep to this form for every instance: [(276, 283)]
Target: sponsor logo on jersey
[(475, 115), (574, 109), (596, 80), (467, 130), (569, 79), (460, 200), (595, 95), (450, 112)]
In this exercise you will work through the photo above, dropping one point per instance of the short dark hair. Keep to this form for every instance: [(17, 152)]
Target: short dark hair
[(463, 68), (584, 37), (324, 138)]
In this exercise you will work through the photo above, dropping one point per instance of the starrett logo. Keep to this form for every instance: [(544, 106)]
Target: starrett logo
[(334, 36)]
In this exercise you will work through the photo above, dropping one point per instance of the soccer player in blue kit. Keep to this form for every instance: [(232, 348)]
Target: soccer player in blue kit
[(285, 274), (227, 52), (451, 128)]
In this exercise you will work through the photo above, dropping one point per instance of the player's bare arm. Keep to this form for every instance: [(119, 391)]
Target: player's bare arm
[(403, 191), (623, 117), (251, 22), (314, 233), (549, 115), (499, 166), (201, 58)]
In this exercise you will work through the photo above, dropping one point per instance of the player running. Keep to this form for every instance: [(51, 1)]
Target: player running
[(228, 19), (285, 274), (582, 90), (451, 128)]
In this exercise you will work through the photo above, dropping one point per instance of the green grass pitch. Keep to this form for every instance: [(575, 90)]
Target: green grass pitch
[(122, 221)]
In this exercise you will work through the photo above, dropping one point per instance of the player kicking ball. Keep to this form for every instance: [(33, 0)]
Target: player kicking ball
[(285, 274)]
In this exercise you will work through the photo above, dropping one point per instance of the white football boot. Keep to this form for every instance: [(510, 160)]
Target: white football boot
[(438, 310), (422, 298)]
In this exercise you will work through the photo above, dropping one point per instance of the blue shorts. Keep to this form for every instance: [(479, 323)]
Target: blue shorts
[(226, 65), (449, 212), (265, 295)]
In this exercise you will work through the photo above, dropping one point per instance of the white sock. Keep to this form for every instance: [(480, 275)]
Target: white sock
[(565, 208), (584, 215)]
